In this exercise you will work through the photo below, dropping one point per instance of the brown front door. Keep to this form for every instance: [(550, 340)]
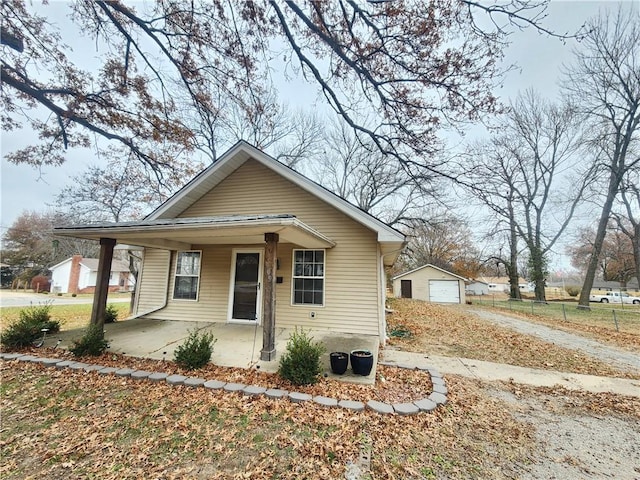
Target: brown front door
[(405, 289)]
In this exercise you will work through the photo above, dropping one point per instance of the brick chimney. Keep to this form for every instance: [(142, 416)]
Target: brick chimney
[(74, 275)]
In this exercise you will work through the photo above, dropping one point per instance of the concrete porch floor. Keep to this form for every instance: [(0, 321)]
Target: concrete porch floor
[(236, 345)]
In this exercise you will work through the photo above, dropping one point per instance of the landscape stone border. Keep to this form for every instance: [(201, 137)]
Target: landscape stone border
[(436, 398)]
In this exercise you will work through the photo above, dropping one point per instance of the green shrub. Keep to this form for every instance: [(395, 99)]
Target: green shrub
[(572, 290), (92, 343), (28, 328), (40, 317), (196, 351), (301, 362), (74, 295), (110, 314)]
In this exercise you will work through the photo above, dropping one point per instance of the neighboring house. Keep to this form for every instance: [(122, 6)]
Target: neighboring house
[(431, 284), (79, 275), (501, 284), (600, 285), (477, 287), (251, 241)]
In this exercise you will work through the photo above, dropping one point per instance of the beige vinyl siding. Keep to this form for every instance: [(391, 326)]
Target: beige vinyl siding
[(211, 305), (152, 286), (352, 296)]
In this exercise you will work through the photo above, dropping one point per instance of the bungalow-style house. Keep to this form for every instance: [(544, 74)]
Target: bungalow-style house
[(431, 284), (79, 275), (251, 241), (501, 284)]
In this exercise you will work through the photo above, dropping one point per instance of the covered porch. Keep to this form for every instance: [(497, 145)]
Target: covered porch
[(184, 233), (237, 345)]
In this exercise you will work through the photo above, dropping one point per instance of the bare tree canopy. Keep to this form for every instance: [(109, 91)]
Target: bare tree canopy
[(353, 168), (121, 189), (416, 67), (604, 80), (30, 247), (529, 176)]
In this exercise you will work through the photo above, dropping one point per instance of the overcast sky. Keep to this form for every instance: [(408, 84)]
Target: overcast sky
[(538, 57)]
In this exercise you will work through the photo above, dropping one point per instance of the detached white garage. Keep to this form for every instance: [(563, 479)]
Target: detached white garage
[(431, 284)]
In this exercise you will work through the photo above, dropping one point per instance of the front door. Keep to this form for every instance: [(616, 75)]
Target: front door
[(246, 277)]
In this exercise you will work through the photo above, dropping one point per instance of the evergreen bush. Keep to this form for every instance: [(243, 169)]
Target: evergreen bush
[(196, 351), (110, 314), (28, 328), (92, 343), (300, 364)]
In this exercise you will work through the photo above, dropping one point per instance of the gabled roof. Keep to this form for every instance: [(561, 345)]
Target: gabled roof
[(116, 265), (432, 266), (92, 264), (235, 157)]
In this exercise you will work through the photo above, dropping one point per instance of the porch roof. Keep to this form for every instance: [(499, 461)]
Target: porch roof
[(183, 233)]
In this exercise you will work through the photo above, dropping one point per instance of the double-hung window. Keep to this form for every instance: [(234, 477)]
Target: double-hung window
[(187, 277), (308, 277)]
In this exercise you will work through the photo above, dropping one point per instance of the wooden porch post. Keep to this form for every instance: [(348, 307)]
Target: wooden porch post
[(102, 282), (268, 352)]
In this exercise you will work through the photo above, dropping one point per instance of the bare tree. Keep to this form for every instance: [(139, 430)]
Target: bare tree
[(616, 261), (444, 241), (416, 68), (628, 221), (528, 176), (289, 136), (30, 247), (605, 84), (353, 168), (120, 190)]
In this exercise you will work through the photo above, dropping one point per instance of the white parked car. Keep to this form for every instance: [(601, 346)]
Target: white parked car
[(615, 297)]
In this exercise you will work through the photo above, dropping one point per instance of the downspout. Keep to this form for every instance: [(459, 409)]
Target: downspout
[(383, 295)]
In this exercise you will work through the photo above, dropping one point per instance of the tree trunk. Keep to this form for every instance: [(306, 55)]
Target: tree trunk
[(512, 269), (538, 273), (601, 232)]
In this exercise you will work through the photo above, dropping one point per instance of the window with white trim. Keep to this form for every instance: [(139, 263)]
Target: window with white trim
[(308, 277), (187, 278)]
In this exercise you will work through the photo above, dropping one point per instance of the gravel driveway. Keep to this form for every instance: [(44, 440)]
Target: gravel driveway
[(615, 356), (572, 443)]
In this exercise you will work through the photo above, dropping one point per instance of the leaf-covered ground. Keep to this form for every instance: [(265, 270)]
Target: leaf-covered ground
[(76, 425), (449, 331), (70, 424)]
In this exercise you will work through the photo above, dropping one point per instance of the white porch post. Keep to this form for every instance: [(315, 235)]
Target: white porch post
[(268, 351)]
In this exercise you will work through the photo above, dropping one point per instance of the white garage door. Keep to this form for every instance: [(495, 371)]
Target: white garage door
[(444, 291)]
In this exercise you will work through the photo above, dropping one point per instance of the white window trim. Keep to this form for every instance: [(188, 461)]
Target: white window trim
[(175, 275), (293, 277)]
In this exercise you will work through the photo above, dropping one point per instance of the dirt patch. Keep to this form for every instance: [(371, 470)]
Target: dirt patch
[(577, 434)]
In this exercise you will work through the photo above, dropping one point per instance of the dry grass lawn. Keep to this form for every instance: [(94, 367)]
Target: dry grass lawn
[(71, 316)]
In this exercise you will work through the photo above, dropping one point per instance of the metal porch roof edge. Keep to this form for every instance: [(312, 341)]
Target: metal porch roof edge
[(432, 266), (238, 155), (176, 224)]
